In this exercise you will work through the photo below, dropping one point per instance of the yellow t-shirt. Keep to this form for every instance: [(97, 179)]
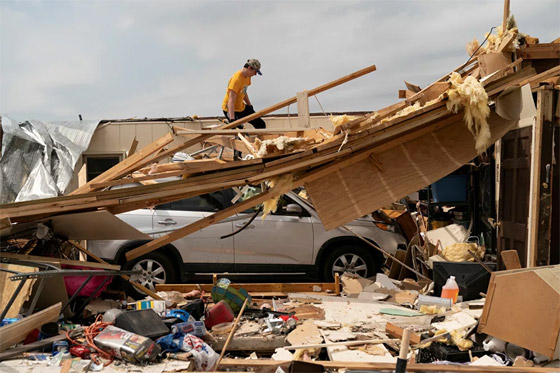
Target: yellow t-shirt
[(237, 83)]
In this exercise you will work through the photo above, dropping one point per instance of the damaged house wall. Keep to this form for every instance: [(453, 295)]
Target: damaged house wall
[(113, 138)]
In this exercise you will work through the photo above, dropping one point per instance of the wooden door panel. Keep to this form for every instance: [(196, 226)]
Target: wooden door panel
[(514, 192)]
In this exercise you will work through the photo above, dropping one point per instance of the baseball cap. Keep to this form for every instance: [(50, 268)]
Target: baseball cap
[(255, 64)]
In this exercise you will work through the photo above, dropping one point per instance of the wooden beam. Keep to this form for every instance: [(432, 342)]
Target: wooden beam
[(397, 332), (412, 87), (405, 93), (256, 287), (555, 71), (203, 223), (16, 332), (540, 51), (374, 366), (37, 345), (234, 132), (248, 145), (506, 42)]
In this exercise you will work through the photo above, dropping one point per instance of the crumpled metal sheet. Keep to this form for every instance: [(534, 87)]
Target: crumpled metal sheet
[(38, 158)]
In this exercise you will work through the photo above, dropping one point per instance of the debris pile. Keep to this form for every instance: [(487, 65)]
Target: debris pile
[(438, 301)]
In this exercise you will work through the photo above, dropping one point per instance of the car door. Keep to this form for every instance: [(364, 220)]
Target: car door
[(281, 238), (202, 250)]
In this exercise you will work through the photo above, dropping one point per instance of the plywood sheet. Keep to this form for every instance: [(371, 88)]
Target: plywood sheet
[(523, 308), (8, 287), (359, 189), (16, 332)]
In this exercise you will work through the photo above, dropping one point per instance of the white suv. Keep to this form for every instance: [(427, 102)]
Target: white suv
[(291, 241)]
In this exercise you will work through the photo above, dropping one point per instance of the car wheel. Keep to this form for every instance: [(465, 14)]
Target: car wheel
[(156, 269), (348, 258)]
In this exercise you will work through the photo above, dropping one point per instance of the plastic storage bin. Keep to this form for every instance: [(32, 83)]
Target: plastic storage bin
[(452, 188)]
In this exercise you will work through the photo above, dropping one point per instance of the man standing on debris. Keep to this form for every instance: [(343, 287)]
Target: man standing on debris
[(236, 104)]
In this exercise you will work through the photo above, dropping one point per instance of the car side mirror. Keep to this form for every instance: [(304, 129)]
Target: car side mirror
[(294, 209)]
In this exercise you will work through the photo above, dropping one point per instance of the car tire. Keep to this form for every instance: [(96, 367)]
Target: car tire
[(156, 269), (348, 258)]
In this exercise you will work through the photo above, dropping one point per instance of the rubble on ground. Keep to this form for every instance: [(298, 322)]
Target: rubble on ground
[(353, 323)]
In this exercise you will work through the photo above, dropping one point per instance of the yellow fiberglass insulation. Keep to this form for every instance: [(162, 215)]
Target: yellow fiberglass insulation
[(470, 95), (280, 143), (339, 120), (283, 182), (403, 112), (459, 252), (456, 339)]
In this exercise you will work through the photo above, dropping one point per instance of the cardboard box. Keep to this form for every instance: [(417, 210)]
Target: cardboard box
[(523, 307)]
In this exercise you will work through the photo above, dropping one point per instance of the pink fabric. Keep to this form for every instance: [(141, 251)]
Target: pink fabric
[(74, 282)]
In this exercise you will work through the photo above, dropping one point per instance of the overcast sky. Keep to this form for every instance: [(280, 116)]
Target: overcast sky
[(123, 59)]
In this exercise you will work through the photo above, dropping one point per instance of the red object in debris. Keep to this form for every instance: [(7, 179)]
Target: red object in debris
[(80, 351), (33, 336), (220, 313), (286, 317)]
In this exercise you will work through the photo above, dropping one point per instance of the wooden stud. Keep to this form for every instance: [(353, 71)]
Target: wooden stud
[(248, 145), (337, 283), (224, 349), (133, 147), (303, 109), (506, 15)]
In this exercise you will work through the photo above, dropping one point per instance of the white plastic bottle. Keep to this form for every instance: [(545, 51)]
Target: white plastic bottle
[(450, 290)]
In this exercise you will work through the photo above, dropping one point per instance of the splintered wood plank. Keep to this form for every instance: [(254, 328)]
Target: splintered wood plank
[(345, 194), (412, 87), (124, 167), (509, 80), (248, 145), (397, 332), (16, 332), (540, 51), (506, 42), (555, 71), (133, 147), (431, 92)]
